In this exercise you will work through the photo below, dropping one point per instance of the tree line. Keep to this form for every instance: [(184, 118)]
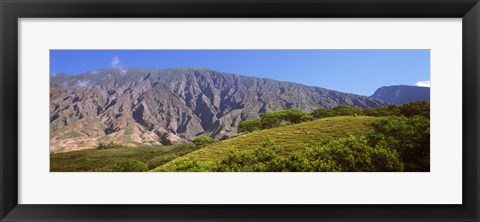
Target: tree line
[(272, 119)]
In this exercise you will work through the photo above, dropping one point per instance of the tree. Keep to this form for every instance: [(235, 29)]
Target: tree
[(249, 126), (392, 110), (344, 110), (294, 116), (202, 141), (410, 137), (270, 120), (322, 113), (419, 108), (352, 154)]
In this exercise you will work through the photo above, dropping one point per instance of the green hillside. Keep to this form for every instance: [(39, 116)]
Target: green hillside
[(105, 160), (290, 138)]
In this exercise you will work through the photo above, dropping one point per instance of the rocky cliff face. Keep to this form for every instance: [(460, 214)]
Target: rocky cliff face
[(162, 107), (402, 94)]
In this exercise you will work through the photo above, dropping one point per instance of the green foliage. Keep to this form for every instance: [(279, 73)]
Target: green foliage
[(347, 154), (392, 110), (352, 154), (344, 110), (274, 119), (294, 116), (131, 166), (159, 160), (322, 113), (400, 141), (410, 137), (203, 141), (192, 166), (291, 138), (249, 126), (265, 158), (419, 108), (105, 160), (270, 120)]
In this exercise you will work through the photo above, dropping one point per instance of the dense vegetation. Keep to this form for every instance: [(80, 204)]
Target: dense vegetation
[(399, 141), (131, 165), (396, 144), (203, 141), (289, 138), (109, 158), (269, 120), (272, 119), (348, 154)]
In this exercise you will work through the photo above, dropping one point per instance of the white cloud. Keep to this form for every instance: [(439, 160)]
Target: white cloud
[(53, 74), (115, 62), (423, 83)]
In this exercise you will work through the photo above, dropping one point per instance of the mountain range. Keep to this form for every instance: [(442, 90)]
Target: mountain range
[(169, 106), (402, 94)]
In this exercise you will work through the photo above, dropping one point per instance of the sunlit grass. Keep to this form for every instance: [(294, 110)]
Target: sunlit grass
[(289, 138), (104, 160)]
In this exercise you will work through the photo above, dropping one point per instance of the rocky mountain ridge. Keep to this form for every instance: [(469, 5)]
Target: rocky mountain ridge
[(402, 94), (160, 107)]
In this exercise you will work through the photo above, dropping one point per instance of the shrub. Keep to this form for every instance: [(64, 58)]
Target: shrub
[(322, 113), (248, 126), (410, 137), (344, 110), (265, 158), (294, 116), (392, 110), (419, 108), (270, 120), (192, 166), (348, 154), (203, 141), (160, 160), (354, 154), (131, 166), (274, 119)]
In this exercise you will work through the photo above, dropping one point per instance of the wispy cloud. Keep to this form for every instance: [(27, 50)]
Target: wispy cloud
[(115, 62), (423, 83)]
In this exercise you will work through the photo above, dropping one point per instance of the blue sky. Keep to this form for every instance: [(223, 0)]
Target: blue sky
[(354, 71)]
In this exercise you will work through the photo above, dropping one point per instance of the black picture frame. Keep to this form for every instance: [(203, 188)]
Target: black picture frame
[(11, 11)]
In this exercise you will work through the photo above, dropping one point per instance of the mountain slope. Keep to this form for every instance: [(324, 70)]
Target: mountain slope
[(161, 107), (290, 138), (402, 94)]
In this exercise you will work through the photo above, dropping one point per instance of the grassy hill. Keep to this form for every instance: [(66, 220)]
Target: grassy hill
[(289, 138), (105, 160)]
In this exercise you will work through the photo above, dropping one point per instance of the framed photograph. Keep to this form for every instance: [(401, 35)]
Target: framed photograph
[(226, 110)]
